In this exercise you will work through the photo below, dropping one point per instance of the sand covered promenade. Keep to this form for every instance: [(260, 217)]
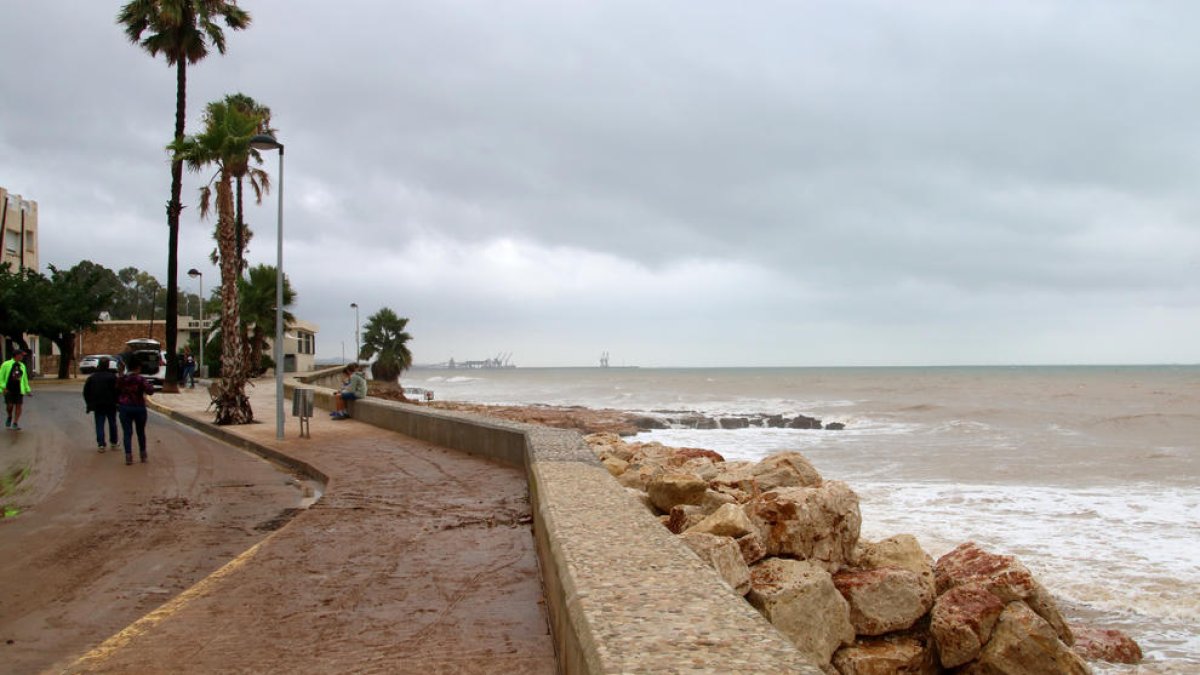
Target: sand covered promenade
[(416, 558)]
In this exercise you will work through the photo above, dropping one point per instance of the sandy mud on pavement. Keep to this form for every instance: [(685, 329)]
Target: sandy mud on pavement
[(98, 544)]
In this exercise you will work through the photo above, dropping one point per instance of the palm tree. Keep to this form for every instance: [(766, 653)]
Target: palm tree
[(258, 312), (260, 181), (384, 336), (224, 142), (182, 31)]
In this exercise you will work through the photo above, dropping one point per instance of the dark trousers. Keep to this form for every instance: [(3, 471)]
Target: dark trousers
[(111, 417), (133, 416)]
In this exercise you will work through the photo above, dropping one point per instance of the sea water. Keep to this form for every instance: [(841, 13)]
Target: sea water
[(1089, 475)]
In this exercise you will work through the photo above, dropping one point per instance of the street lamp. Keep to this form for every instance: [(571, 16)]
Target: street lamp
[(268, 142), (193, 273), (357, 349)]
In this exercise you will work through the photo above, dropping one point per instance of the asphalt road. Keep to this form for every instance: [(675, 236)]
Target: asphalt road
[(97, 544)]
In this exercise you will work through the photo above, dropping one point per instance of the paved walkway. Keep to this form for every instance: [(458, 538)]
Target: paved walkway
[(416, 559)]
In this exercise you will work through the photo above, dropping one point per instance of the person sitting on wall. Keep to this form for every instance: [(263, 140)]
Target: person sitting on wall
[(354, 389)]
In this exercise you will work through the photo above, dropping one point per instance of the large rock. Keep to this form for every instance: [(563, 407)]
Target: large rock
[(729, 520), (901, 550), (1023, 643), (785, 469), (893, 655), (884, 600), (820, 524), (1105, 644), (723, 555), (962, 621), (753, 548), (1004, 577), (800, 600), (673, 489)]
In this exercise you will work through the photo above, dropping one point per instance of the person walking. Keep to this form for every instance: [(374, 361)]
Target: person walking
[(14, 381), (132, 390), (188, 364), (100, 397)]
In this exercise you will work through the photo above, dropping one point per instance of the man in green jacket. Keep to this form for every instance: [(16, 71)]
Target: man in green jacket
[(14, 381)]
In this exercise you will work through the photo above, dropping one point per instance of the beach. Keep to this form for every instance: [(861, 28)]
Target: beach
[(1087, 474)]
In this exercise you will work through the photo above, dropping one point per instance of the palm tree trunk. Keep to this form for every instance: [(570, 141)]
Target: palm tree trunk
[(240, 229), (233, 407), (174, 207)]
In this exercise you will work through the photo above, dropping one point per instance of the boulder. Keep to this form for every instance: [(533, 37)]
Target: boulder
[(884, 600), (684, 516), (835, 426), (785, 469), (962, 621), (733, 422), (820, 524), (753, 548), (1105, 644), (804, 422), (800, 600), (723, 555), (714, 500), (1023, 643), (901, 550), (1004, 577), (673, 489), (729, 520), (886, 656), (615, 465), (734, 476)]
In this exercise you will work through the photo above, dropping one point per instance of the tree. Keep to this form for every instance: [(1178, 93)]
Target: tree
[(258, 312), (225, 142), (182, 31), (69, 302), (19, 303), (260, 181), (384, 338)]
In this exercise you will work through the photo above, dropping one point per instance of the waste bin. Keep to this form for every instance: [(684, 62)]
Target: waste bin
[(302, 402)]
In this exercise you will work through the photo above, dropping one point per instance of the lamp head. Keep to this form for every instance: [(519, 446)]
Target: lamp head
[(193, 273), (265, 142)]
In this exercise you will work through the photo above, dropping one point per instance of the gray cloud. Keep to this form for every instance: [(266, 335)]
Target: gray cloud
[(681, 183)]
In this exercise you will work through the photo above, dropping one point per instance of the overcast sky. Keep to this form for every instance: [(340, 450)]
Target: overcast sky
[(682, 183)]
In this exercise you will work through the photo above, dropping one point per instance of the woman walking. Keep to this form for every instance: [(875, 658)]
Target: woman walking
[(132, 390)]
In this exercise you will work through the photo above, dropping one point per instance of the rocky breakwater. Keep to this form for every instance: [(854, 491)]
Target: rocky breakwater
[(787, 541)]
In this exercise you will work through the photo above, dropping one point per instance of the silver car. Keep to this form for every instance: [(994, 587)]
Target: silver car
[(91, 363)]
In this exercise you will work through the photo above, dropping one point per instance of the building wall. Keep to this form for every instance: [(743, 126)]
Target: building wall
[(109, 337), (20, 242), (19, 247)]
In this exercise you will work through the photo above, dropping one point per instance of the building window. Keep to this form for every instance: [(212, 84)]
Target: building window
[(305, 342), (12, 241)]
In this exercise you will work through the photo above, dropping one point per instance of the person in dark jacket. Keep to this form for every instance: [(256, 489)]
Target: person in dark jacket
[(100, 397), (132, 390)]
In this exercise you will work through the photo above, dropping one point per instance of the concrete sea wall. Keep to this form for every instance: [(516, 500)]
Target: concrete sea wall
[(623, 594)]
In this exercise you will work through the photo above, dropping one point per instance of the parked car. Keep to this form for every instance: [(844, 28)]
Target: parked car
[(91, 363), (149, 355)]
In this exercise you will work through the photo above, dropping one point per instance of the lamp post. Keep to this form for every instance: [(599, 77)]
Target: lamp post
[(268, 142), (357, 349), (193, 273)]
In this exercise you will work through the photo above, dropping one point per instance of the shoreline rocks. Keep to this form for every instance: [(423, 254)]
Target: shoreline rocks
[(789, 541)]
